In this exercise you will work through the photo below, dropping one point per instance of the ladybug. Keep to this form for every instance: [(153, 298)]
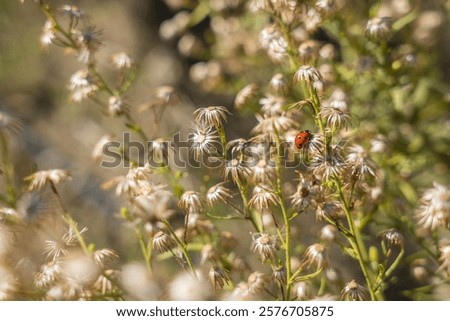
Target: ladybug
[(302, 138)]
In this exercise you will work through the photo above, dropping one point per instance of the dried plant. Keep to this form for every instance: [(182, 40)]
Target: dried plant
[(337, 214)]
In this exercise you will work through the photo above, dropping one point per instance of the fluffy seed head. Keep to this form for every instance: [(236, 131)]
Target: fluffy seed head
[(354, 292), (54, 176), (434, 210), (265, 245), (192, 202), (218, 193), (212, 116), (218, 277), (379, 28)]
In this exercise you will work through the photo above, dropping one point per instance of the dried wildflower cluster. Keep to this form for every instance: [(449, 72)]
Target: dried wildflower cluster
[(250, 209)]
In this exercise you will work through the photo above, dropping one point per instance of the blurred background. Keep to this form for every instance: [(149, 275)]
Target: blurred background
[(59, 133)]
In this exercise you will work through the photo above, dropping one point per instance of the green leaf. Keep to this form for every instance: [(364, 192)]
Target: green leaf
[(199, 13), (405, 20), (350, 252), (408, 191)]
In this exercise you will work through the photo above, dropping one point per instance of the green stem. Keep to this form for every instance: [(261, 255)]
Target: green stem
[(223, 141), (390, 270), (183, 247), (145, 249), (11, 195), (286, 219), (69, 220), (247, 211), (48, 13), (357, 244)]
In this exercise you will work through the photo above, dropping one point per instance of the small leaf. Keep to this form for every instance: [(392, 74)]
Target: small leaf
[(350, 252), (199, 13), (408, 191), (373, 254)]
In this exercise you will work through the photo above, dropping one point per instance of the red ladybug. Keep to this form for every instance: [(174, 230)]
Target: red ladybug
[(302, 138)]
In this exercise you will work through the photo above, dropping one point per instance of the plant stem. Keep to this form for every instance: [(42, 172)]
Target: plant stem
[(183, 247), (145, 249), (357, 244), (286, 220), (11, 196), (69, 220)]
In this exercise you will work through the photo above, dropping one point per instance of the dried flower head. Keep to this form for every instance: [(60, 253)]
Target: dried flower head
[(304, 194), (274, 124), (48, 34), (9, 124), (263, 172), (326, 7), (158, 150), (82, 84), (211, 116), (162, 97), (154, 206), (280, 274), (218, 193), (167, 95), (257, 282), (124, 185), (218, 277), (38, 179), (245, 96), (419, 270), (57, 248), (309, 50), (354, 292), (329, 164), (121, 60), (315, 255), (100, 146), (336, 117), (303, 291), (328, 233), (265, 245), (236, 170), (192, 202), (312, 20), (163, 242), (272, 39), (327, 207), (278, 85), (307, 74), (48, 274), (89, 38), (116, 106), (445, 259), (263, 197), (393, 238), (434, 210), (379, 28), (379, 144), (105, 282), (261, 5), (360, 163), (272, 105), (74, 13), (204, 140), (105, 257)]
